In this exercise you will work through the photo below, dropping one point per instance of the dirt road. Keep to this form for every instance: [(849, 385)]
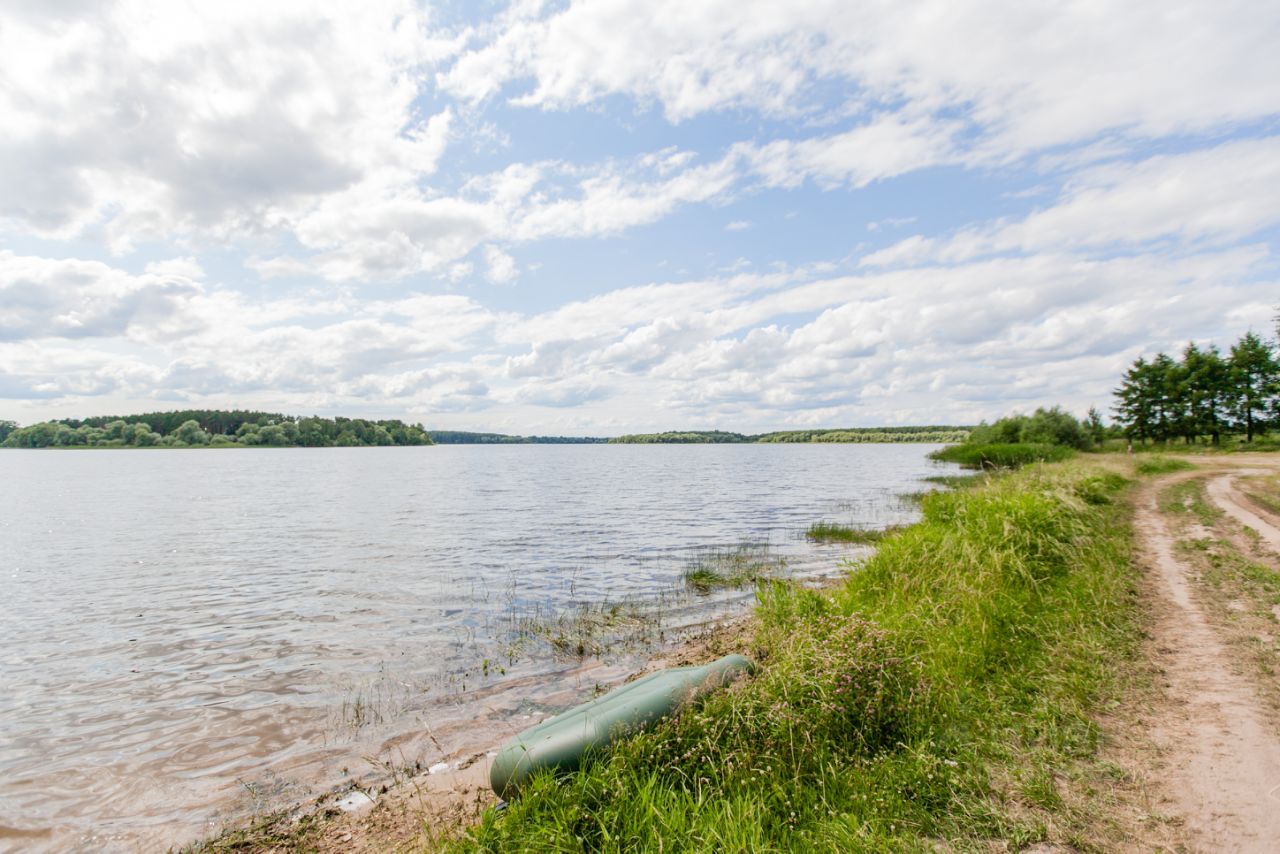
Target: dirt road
[(1224, 493), (1222, 779)]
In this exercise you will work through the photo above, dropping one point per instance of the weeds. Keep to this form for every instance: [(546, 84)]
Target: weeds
[(1264, 492), (1161, 465), (936, 695), (1188, 497), (958, 481), (737, 567), (281, 830), (825, 532), (594, 628)]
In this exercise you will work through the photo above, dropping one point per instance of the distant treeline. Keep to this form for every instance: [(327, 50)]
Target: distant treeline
[(211, 428), (459, 437), (931, 433), (1202, 394), (1046, 435)]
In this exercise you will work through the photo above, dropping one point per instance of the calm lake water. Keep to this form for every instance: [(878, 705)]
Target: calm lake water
[(191, 635)]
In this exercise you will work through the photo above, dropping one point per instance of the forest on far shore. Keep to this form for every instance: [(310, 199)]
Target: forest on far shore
[(1202, 395), (205, 428)]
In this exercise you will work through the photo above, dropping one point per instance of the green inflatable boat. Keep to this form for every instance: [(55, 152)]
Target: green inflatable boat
[(562, 742)]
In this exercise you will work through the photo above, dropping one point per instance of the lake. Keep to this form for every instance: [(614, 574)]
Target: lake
[(192, 635)]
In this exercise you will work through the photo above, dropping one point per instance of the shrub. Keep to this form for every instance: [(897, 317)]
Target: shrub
[(1001, 455)]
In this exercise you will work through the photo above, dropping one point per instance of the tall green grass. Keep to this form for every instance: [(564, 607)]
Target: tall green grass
[(736, 567), (933, 698), (1161, 465), (830, 532), (995, 456)]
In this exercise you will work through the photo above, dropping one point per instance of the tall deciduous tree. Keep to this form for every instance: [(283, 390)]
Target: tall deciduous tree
[(1094, 427)]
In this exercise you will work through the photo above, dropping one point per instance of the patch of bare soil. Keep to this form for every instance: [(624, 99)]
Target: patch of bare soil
[(1217, 763)]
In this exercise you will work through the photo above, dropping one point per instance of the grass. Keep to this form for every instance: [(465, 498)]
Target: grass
[(1001, 456), (1161, 465), (957, 481), (937, 700), (1235, 582), (591, 628), (736, 567), (1188, 497), (1263, 491), (829, 532)]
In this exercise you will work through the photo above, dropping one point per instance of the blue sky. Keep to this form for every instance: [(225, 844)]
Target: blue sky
[(619, 216)]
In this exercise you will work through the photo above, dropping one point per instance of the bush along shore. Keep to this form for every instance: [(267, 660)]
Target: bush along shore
[(933, 699), (211, 428)]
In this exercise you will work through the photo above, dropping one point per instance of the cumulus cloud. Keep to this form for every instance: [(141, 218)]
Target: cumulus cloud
[(914, 344), (207, 121), (44, 298), (502, 267), (302, 207), (1221, 194), (1046, 74)]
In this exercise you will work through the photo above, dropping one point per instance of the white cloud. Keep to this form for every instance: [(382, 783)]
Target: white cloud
[(42, 298), (754, 351), (317, 147), (502, 267), (1221, 194), (882, 148), (185, 267), (208, 122), (1043, 74)]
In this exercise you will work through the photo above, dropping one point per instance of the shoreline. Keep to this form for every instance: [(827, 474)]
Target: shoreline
[(428, 809), (439, 802)]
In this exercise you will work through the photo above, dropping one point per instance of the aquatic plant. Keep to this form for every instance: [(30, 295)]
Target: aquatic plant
[(736, 567), (831, 532)]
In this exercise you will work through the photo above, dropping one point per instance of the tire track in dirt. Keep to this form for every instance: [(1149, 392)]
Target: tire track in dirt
[(1222, 492), (1223, 772)]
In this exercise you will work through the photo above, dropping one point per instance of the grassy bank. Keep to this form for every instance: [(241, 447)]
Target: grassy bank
[(941, 693), (999, 456)]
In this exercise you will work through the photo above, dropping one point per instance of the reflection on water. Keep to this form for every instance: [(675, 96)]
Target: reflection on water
[(188, 632)]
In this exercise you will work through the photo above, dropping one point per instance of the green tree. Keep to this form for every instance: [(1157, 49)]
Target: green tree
[(191, 433), (315, 432), (6, 428), (91, 435), (1165, 375), (1007, 430), (1054, 426), (64, 436), (272, 434), (1094, 427), (1255, 378), (40, 435), (247, 433), (1135, 404), (1207, 380)]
